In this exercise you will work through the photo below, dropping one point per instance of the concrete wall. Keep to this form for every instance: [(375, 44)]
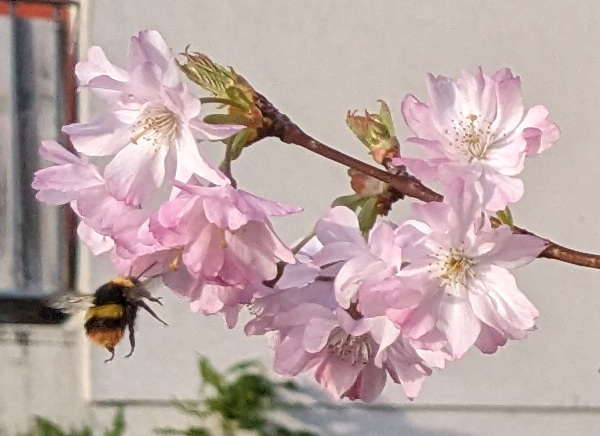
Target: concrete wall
[(315, 60)]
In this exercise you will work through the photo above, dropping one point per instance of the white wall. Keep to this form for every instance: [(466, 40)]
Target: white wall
[(317, 59)]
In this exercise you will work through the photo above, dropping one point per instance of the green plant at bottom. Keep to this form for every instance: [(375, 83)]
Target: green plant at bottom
[(45, 427), (241, 398)]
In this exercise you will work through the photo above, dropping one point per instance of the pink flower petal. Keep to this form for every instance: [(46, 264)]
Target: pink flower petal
[(539, 132), (460, 325), (489, 340), (135, 172), (290, 356), (150, 47), (214, 132), (103, 136), (340, 224), (190, 161), (417, 117), (337, 376), (96, 242)]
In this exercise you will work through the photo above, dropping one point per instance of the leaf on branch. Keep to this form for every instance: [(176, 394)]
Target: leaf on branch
[(368, 215), (239, 142), (228, 89), (505, 217), (225, 84), (207, 74), (223, 119), (386, 118), (221, 101), (353, 201)]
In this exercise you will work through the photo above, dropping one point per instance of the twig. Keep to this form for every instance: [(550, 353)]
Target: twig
[(280, 126)]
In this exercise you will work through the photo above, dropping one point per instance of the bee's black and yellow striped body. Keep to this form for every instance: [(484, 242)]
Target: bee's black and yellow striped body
[(115, 307)]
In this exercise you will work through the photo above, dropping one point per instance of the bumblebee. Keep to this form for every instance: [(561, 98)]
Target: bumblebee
[(114, 307)]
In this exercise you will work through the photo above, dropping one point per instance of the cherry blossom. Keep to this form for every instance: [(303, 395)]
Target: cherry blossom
[(68, 181), (151, 123), (463, 266), (476, 129), (329, 312), (63, 182), (367, 269), (224, 234), (351, 354)]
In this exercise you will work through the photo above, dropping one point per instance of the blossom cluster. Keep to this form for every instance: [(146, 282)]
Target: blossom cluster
[(354, 305), (160, 204)]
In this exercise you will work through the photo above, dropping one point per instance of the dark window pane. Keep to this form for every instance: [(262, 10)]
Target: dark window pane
[(36, 99)]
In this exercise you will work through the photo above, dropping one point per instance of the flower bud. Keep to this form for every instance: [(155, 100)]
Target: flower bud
[(229, 89), (376, 131), (365, 185)]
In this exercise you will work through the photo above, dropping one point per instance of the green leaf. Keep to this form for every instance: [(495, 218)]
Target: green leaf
[(368, 215), (386, 117), (190, 431), (353, 201), (243, 400), (201, 70), (239, 141), (239, 97), (168, 430), (224, 119), (505, 217), (86, 431), (197, 431), (45, 427), (118, 424), (210, 375), (283, 431), (290, 385), (191, 408), (223, 101), (244, 366)]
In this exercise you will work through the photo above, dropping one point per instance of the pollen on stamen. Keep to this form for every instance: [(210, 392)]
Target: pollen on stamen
[(472, 137), (157, 125), (455, 269), (175, 262), (353, 349)]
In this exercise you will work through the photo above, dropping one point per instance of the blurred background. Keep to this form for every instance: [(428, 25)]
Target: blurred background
[(314, 60)]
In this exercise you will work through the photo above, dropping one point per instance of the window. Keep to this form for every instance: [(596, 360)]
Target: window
[(37, 96)]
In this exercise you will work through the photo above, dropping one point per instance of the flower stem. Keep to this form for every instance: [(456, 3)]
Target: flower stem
[(303, 242), (225, 166)]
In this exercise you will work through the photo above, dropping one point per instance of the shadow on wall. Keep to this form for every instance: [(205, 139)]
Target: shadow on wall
[(327, 418), (362, 421)]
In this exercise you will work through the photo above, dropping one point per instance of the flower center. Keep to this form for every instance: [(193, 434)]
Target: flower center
[(471, 137), (455, 268), (156, 124), (355, 349)]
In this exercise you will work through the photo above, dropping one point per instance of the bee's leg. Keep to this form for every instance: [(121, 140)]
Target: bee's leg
[(143, 304), (131, 338), (112, 354), (155, 299), (143, 293)]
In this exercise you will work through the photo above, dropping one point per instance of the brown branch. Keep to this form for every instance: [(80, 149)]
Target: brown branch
[(280, 126), (287, 131), (564, 254)]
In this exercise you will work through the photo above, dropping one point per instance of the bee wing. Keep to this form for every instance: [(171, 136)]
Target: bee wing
[(70, 303)]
